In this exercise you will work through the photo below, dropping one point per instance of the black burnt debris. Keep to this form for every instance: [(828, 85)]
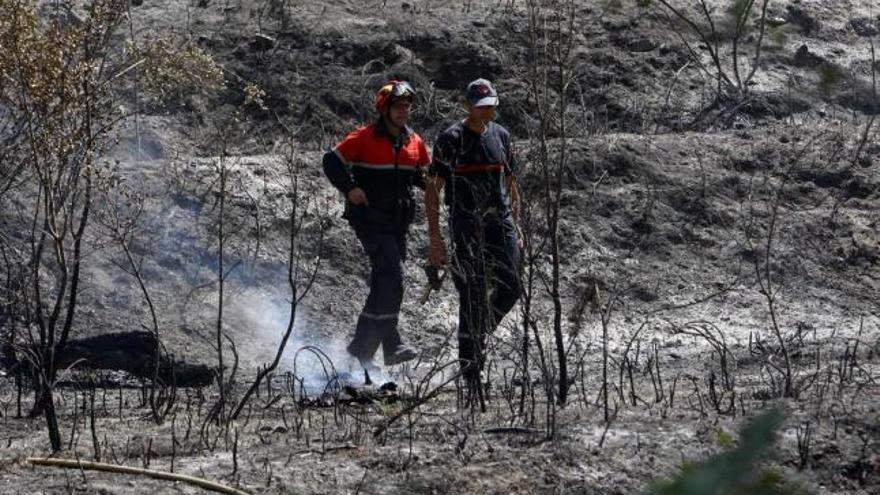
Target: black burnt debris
[(699, 194)]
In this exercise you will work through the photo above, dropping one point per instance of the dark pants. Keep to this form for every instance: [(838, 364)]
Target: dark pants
[(377, 323), (486, 274)]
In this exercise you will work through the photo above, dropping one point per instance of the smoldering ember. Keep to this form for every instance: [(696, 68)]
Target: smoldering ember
[(469, 246)]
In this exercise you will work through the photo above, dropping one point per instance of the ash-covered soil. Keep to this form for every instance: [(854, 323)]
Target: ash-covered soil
[(669, 217)]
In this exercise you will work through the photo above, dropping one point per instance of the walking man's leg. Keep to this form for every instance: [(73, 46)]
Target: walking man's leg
[(470, 275), (505, 262), (378, 320), (367, 335), (471, 314), (394, 351)]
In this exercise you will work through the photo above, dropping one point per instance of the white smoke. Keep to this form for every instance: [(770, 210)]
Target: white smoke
[(260, 320)]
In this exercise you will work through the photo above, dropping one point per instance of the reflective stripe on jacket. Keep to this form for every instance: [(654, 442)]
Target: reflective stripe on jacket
[(383, 166)]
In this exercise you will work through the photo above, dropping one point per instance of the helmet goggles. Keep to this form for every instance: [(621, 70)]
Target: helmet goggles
[(391, 91)]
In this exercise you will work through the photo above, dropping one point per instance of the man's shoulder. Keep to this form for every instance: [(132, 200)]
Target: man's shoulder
[(364, 131), (499, 130), (452, 132)]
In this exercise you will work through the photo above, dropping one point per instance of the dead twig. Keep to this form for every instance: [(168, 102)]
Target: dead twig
[(414, 405), (113, 468), (511, 430)]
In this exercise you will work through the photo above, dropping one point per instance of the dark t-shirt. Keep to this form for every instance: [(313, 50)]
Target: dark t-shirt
[(475, 167)]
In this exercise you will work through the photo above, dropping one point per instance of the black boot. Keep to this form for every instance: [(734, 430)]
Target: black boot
[(393, 348), (365, 342)]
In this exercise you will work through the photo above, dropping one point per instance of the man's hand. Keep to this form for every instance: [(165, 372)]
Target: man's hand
[(357, 197), (436, 252)]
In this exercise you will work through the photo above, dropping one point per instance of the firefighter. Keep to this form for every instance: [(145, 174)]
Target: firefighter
[(474, 163), (375, 167)]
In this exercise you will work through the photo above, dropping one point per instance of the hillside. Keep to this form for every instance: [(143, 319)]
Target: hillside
[(710, 243)]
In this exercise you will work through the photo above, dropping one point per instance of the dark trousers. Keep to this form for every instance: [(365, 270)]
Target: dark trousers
[(486, 273), (377, 323)]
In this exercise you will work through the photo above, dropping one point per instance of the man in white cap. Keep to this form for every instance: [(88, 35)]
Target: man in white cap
[(475, 162)]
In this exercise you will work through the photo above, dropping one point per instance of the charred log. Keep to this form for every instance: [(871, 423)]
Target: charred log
[(132, 352)]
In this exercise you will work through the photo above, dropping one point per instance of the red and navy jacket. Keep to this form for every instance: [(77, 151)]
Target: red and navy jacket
[(385, 167), (475, 167)]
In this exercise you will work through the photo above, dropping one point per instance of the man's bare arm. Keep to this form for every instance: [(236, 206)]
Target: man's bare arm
[(513, 190), (436, 245)]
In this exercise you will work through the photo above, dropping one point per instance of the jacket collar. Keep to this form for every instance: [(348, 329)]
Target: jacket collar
[(381, 130)]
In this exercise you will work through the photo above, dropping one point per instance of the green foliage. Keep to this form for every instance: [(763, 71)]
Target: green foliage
[(725, 439), (171, 70), (735, 471)]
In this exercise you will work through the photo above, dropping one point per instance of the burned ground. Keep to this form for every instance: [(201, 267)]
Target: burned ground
[(667, 215)]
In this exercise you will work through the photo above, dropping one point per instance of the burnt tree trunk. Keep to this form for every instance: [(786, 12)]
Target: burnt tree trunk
[(133, 352)]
